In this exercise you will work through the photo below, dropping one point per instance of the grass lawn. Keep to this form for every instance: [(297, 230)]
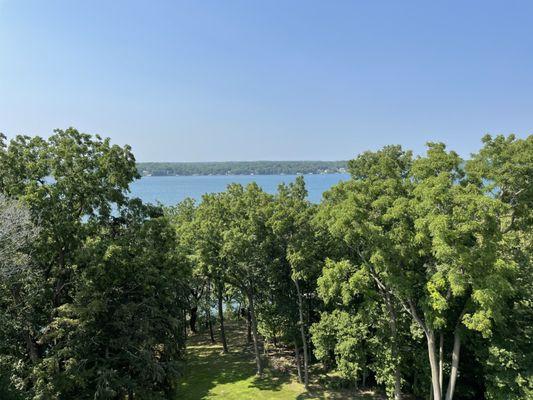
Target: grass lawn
[(211, 375)]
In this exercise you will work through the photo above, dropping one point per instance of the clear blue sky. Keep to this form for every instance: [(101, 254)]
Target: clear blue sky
[(247, 80)]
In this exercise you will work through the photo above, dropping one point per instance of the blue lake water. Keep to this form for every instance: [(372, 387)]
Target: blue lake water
[(170, 190)]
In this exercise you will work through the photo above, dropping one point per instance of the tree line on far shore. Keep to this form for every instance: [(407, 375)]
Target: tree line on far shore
[(241, 168), (412, 277)]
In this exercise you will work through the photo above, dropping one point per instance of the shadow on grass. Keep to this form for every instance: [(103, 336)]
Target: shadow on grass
[(207, 368), (319, 393), (210, 374), (271, 381), (324, 385)]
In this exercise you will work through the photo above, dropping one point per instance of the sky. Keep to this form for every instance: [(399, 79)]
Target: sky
[(268, 80)]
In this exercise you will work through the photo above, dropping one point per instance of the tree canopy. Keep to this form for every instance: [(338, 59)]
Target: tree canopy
[(412, 277)]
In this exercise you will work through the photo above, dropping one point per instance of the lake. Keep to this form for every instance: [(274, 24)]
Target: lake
[(170, 190)]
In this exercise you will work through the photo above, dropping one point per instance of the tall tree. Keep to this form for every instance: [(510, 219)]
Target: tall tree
[(429, 240), (292, 224), (183, 217), (121, 336), (503, 169), (356, 213), (75, 187), (247, 246), (466, 279), (209, 227)]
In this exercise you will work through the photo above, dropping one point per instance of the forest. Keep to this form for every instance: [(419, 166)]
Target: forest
[(241, 168), (412, 279)]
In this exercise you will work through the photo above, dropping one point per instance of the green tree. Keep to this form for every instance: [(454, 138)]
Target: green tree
[(429, 240), (341, 338), (292, 224), (467, 280), (183, 218), (247, 246), (121, 336), (75, 188), (65, 181), (356, 213), (209, 226), (503, 169)]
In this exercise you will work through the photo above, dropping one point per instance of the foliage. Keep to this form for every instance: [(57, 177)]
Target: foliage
[(17, 231), (123, 328), (97, 315), (433, 236), (414, 273), (241, 168)]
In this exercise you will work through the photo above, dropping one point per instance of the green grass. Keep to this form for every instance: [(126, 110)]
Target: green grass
[(212, 375)]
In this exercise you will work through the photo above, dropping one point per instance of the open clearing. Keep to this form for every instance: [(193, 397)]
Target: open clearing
[(211, 375)]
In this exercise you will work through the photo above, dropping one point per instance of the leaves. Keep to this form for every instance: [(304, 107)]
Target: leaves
[(99, 313)]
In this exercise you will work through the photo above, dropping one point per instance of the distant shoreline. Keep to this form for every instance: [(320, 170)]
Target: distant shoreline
[(197, 175), (241, 168)]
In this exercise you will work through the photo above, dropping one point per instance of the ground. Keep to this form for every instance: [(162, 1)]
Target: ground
[(212, 375)]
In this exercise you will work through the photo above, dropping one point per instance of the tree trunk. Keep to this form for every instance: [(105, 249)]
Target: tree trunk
[(394, 333), (255, 334), (302, 332), (441, 362), (297, 358), (194, 317), (248, 326), (184, 322), (32, 348), (430, 337), (397, 383), (210, 324), (432, 355), (208, 312), (455, 364), (221, 319)]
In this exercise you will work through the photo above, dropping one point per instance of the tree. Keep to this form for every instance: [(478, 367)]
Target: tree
[(430, 242), (75, 188), (17, 232), (183, 218), (503, 169), (292, 225), (457, 226), (66, 180), (209, 226), (247, 247), (122, 334), (356, 213), (342, 338)]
